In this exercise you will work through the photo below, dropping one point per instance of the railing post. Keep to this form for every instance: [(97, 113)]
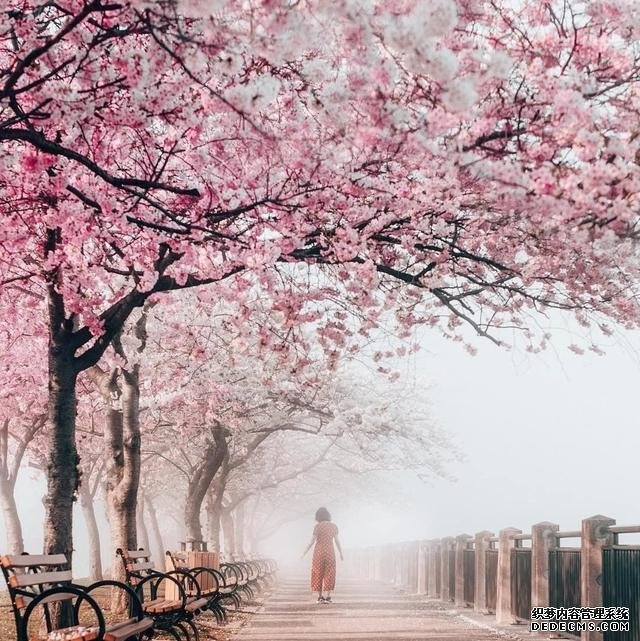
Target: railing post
[(432, 580), (595, 536), (462, 542), (543, 538), (411, 569), (481, 546), (446, 545), (503, 597), (404, 565), (423, 564)]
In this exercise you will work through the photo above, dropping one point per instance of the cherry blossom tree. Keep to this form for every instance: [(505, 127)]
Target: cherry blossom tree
[(453, 161), (22, 412), (119, 387), (13, 447)]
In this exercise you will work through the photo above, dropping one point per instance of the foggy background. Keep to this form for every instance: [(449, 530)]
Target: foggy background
[(545, 437)]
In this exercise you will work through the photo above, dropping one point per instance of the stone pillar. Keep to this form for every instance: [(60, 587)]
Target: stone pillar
[(432, 581), (462, 543), (503, 597), (543, 538), (446, 545), (595, 536), (423, 561), (481, 546)]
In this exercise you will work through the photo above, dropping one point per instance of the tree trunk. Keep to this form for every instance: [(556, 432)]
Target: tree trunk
[(122, 435), (214, 508), (157, 545), (130, 480), (62, 466), (250, 527), (13, 527), (9, 470), (93, 533), (141, 527), (63, 475), (238, 522), (214, 455), (120, 509), (229, 534)]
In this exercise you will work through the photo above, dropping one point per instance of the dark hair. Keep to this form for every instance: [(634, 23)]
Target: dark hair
[(323, 514)]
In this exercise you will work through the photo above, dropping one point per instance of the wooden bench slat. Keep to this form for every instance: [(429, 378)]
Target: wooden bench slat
[(153, 602), (198, 604), (163, 606), (120, 632), (133, 567), (32, 560), (23, 601), (40, 578)]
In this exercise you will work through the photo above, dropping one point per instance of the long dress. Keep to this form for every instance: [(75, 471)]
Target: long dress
[(323, 567)]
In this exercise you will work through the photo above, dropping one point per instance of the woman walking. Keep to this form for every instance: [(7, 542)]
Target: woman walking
[(323, 567)]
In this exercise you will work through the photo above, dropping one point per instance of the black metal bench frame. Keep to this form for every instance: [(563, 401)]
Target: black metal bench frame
[(179, 619), (39, 581)]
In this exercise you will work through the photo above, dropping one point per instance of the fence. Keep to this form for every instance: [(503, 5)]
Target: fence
[(508, 574)]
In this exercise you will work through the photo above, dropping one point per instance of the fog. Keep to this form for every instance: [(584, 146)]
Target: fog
[(545, 437)]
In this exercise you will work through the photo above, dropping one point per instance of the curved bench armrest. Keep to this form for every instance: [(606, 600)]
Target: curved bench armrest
[(70, 588), (210, 571), (159, 577), (135, 604), (222, 580)]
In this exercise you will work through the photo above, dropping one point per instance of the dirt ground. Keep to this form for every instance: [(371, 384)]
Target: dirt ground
[(209, 631)]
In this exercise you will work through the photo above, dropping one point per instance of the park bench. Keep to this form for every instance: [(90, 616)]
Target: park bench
[(208, 582), (41, 583), (243, 577), (258, 572), (172, 599), (232, 581)]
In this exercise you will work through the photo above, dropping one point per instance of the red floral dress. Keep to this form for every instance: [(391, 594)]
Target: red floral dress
[(323, 568)]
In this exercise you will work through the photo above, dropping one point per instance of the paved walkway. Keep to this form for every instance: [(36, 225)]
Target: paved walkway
[(360, 612)]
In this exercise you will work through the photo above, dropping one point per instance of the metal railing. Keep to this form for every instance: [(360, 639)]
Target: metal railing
[(515, 571)]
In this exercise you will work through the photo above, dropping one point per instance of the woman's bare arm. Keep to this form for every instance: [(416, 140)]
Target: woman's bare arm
[(313, 540), (337, 540)]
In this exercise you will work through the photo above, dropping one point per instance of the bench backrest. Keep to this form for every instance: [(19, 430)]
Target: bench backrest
[(28, 575), (137, 564), (178, 560)]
